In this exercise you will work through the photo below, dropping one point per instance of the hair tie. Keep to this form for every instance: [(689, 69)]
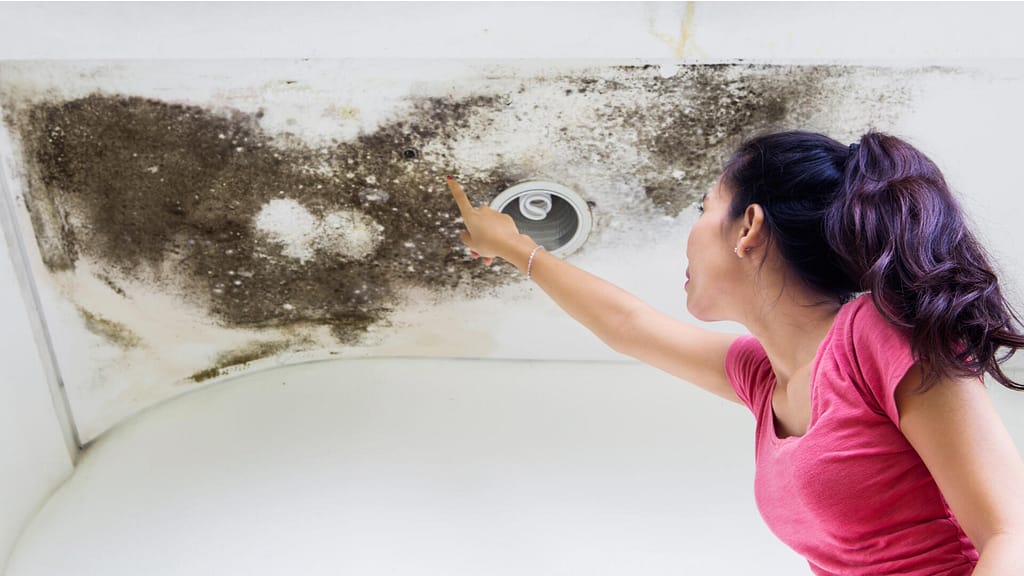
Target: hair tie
[(853, 148)]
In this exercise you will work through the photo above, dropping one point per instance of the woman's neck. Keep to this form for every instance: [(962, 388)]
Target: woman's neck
[(791, 325)]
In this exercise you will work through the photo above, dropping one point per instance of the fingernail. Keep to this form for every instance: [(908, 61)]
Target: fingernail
[(449, 178)]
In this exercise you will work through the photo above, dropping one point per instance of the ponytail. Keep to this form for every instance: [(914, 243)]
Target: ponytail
[(878, 217), (898, 229)]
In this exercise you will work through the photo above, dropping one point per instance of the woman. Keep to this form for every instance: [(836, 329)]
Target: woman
[(878, 450)]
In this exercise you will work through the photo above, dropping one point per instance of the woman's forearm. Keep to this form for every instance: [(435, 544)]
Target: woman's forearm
[(599, 305)]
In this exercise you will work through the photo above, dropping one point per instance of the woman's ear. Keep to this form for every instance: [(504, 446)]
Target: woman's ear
[(753, 232)]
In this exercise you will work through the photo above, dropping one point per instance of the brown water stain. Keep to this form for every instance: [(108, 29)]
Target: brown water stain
[(240, 356), (111, 331)]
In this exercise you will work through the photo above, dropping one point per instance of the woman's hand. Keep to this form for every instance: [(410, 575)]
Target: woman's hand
[(488, 233)]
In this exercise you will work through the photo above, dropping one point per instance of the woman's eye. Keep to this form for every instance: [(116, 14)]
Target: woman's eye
[(700, 208)]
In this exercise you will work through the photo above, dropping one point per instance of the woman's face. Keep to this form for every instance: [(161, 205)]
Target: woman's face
[(713, 275)]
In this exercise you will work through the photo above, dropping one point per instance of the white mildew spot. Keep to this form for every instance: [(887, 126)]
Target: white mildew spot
[(346, 234), (287, 222), (350, 234)]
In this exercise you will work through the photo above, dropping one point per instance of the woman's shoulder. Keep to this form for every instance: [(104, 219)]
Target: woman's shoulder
[(749, 371), (860, 320), (872, 351), (861, 305)]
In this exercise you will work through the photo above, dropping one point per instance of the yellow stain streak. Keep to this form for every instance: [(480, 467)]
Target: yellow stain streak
[(683, 46), (340, 111)]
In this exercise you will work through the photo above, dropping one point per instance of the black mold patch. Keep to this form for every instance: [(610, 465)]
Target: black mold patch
[(168, 193), (146, 181), (708, 111)]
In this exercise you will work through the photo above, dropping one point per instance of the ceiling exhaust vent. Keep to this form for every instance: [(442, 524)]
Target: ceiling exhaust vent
[(554, 216)]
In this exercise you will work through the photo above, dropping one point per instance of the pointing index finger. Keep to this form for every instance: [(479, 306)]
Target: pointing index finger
[(460, 196)]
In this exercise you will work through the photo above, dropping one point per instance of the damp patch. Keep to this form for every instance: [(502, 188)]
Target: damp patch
[(238, 358), (268, 225), (113, 332)]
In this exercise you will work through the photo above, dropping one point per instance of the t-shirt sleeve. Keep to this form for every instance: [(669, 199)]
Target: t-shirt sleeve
[(882, 354), (748, 370)]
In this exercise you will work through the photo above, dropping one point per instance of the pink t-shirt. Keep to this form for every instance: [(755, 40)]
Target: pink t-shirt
[(851, 495)]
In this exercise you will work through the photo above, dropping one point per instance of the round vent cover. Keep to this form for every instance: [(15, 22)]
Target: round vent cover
[(554, 216)]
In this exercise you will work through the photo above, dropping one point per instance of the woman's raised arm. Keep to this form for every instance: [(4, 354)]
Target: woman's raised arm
[(621, 320)]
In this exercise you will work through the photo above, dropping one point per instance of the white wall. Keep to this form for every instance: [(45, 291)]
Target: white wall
[(939, 31), (418, 467), (33, 456)]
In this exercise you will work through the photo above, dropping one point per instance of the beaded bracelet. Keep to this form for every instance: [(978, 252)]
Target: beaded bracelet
[(529, 265)]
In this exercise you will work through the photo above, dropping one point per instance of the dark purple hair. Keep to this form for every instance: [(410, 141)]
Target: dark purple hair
[(877, 216)]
